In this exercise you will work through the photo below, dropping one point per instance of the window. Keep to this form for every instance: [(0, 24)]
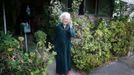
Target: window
[(105, 7), (81, 8), (91, 6), (70, 5), (99, 7)]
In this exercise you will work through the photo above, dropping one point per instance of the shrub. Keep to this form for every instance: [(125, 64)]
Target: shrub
[(33, 63), (119, 38), (94, 48), (8, 45), (130, 35), (55, 9), (100, 45), (7, 42), (17, 62), (40, 36), (75, 5)]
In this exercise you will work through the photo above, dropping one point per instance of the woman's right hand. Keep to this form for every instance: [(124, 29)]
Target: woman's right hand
[(71, 24)]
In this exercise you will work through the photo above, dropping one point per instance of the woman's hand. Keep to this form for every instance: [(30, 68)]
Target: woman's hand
[(71, 24)]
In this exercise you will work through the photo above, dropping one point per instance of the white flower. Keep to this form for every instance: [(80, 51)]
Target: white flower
[(21, 38)]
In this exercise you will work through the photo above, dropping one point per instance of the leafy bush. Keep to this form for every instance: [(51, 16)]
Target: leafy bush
[(33, 63), (8, 45), (130, 35), (55, 9), (97, 46), (75, 5), (40, 36), (17, 62), (119, 38), (94, 47), (7, 42)]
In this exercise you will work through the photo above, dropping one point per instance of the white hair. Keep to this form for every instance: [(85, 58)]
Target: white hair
[(65, 15)]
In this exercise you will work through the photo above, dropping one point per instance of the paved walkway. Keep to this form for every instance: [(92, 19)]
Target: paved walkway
[(123, 66), (52, 70)]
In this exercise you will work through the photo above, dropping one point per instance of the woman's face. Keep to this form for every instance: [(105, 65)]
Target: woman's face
[(66, 21)]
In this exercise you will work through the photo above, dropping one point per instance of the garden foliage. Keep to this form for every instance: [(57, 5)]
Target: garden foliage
[(100, 43), (16, 62)]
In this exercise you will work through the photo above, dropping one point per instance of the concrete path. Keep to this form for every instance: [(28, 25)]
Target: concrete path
[(115, 68), (52, 70), (123, 66)]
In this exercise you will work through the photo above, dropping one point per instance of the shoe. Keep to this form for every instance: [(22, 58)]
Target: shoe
[(57, 74), (69, 72)]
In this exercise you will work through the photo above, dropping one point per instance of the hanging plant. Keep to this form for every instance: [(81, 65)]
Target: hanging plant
[(75, 5), (55, 9)]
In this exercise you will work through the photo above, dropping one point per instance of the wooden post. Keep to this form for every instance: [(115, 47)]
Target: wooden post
[(4, 18), (96, 6)]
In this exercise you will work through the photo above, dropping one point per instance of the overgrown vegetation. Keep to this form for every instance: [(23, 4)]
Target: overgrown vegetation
[(55, 9), (16, 62), (7, 42), (100, 45), (8, 45)]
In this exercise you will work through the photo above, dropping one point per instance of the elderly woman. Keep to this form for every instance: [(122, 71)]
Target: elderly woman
[(63, 33)]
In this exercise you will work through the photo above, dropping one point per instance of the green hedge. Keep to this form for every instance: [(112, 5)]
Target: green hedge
[(98, 45)]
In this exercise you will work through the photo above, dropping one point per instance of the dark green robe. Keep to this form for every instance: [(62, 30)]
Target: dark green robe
[(62, 43)]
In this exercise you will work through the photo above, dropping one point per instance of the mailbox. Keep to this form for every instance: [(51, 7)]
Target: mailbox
[(26, 27)]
